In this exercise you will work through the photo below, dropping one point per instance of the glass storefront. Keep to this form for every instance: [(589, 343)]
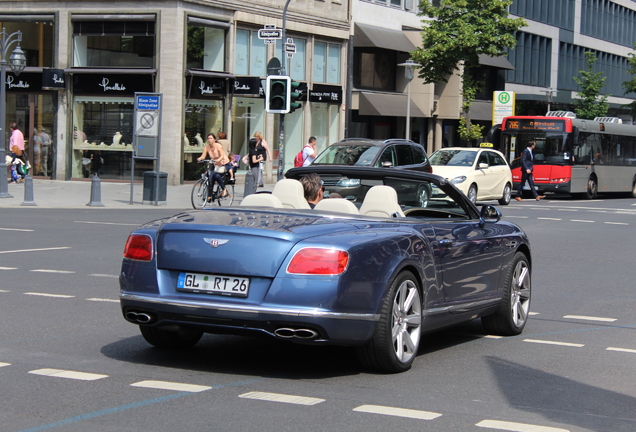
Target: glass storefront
[(201, 118)]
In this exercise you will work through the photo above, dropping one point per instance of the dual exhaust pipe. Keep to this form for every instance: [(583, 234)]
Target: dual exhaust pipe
[(138, 317), (291, 333)]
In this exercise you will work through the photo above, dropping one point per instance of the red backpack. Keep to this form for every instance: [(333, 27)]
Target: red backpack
[(299, 160)]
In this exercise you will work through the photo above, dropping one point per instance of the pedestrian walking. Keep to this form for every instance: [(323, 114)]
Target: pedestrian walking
[(527, 166)]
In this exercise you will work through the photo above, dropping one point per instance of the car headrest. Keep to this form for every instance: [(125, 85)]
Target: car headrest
[(339, 205), (381, 200), (291, 194), (261, 200)]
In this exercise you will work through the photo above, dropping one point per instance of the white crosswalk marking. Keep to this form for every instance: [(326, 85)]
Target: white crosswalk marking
[(554, 343), (517, 427), (60, 373), (166, 385), (398, 412), (276, 397)]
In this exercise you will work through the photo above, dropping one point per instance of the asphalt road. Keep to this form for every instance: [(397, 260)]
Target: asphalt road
[(69, 361)]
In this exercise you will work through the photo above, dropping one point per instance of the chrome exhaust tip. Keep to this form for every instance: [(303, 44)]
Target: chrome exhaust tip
[(138, 317), (290, 333)]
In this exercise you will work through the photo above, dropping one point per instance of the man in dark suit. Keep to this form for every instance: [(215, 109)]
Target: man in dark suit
[(527, 167)]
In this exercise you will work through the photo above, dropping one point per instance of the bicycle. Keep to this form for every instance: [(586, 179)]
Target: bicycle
[(200, 189)]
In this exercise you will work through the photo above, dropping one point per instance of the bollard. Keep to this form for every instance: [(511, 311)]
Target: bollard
[(250, 184), (28, 192), (96, 192)]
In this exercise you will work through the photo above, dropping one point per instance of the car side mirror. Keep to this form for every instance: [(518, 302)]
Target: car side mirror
[(489, 213), (483, 165)]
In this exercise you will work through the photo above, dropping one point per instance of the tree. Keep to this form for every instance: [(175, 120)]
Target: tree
[(591, 104), (459, 32), (630, 86)]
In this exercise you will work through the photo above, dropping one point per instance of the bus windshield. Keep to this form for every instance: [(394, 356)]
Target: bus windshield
[(551, 149)]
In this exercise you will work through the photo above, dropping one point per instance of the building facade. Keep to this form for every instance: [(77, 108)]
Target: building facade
[(204, 57)]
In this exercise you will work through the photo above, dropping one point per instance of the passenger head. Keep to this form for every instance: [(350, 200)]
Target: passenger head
[(312, 185)]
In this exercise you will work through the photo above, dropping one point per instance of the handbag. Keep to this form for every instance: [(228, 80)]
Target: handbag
[(219, 169)]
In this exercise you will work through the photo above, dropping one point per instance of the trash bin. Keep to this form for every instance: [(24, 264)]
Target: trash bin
[(150, 187)]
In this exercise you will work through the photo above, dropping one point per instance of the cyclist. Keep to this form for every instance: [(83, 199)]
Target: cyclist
[(213, 150)]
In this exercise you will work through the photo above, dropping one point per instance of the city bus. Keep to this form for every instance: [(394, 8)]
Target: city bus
[(572, 156)]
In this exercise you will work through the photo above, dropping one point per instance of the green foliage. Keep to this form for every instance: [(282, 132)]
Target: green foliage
[(591, 104), (196, 50), (458, 33), (630, 86)]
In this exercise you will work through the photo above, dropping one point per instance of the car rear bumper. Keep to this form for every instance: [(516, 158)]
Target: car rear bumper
[(218, 317)]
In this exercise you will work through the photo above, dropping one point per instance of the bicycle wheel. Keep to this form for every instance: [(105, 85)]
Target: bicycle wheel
[(199, 194), (229, 198)]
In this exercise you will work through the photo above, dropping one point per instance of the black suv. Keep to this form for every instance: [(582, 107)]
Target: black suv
[(390, 153), (398, 153)]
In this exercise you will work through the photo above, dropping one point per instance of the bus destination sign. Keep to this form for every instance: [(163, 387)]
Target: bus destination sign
[(530, 124)]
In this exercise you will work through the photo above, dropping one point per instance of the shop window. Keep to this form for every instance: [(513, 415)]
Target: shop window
[(201, 118), (114, 44), (37, 41), (296, 66), (206, 48)]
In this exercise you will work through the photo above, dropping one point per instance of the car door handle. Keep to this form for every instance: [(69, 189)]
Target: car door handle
[(446, 243)]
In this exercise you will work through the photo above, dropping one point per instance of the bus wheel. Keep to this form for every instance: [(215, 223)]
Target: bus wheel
[(592, 188), (634, 189)]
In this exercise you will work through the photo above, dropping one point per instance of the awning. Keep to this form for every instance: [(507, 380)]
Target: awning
[(481, 111), (378, 37), (499, 62), (130, 71), (210, 74), (386, 104)]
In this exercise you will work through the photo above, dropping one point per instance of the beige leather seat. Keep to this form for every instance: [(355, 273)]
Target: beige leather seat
[(290, 192), (381, 201), (339, 205), (261, 200)]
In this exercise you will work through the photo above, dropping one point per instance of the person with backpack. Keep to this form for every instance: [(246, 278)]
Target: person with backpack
[(308, 154)]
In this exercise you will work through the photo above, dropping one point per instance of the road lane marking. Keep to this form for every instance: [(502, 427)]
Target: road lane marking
[(283, 398), (579, 220), (16, 229), (106, 223), (48, 295), (34, 250), (102, 300), (554, 343), (166, 385), (616, 223), (398, 412), (104, 275), (533, 313), (5, 291), (518, 217), (492, 337), (8, 268), (517, 427), (5, 364), (60, 373), (633, 351), (570, 210), (52, 271), (589, 318), (547, 218)]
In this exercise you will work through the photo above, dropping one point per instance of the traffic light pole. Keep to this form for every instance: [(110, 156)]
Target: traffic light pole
[(281, 128)]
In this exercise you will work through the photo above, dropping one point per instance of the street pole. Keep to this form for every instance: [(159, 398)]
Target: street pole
[(409, 65), (17, 63), (281, 126)]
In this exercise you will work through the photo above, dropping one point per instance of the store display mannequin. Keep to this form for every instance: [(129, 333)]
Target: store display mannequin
[(199, 139), (116, 138)]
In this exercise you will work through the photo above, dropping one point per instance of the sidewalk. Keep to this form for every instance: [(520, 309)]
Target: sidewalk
[(77, 194)]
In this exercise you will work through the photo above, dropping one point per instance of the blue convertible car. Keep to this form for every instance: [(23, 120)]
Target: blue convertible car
[(405, 253)]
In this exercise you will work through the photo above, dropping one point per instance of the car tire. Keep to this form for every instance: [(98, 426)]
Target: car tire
[(183, 338), (507, 195), (472, 193), (423, 195), (512, 315), (397, 337)]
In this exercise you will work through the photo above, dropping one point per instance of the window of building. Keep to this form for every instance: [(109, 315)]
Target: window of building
[(559, 13), (607, 20), (374, 69), (37, 40), (114, 44), (532, 60), (326, 63), (409, 5), (206, 47), (296, 66), (251, 54)]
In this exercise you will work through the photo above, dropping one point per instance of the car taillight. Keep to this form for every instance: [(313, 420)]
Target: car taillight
[(138, 247), (319, 261)]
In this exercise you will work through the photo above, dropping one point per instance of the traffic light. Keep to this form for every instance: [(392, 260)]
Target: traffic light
[(294, 96), (277, 98)]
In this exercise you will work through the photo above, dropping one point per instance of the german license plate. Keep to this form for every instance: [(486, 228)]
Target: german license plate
[(213, 284)]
